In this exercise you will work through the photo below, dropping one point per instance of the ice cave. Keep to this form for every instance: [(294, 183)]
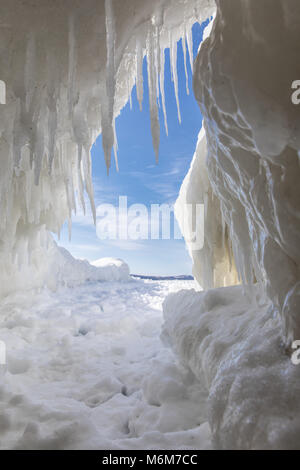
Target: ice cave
[(91, 358)]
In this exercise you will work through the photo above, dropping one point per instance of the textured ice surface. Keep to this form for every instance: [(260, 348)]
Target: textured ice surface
[(86, 370), (242, 81), (233, 345)]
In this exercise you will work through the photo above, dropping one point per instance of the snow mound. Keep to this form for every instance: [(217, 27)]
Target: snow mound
[(54, 266), (115, 268), (233, 345), (70, 271)]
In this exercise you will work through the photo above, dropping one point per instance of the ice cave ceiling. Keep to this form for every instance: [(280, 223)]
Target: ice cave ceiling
[(68, 67)]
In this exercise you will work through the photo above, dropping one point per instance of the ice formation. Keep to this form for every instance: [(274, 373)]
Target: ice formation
[(233, 345), (251, 147), (252, 131), (213, 265), (68, 68), (237, 344)]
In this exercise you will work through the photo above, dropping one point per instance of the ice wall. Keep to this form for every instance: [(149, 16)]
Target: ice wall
[(69, 67), (242, 80), (213, 264), (237, 341)]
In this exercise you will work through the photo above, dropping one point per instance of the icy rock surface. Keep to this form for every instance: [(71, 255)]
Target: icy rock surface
[(242, 80), (233, 345)]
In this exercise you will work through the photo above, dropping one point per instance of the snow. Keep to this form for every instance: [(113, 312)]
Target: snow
[(55, 266), (114, 269), (86, 369), (71, 272)]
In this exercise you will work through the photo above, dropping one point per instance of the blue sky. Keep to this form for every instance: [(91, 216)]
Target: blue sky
[(140, 179)]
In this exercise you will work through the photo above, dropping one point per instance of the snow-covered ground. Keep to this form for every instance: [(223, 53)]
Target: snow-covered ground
[(86, 368)]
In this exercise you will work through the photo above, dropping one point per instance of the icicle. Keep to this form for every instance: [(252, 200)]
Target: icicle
[(88, 181), (52, 127), (152, 93), (189, 39), (80, 179), (115, 135), (18, 138), (171, 53), (129, 94), (72, 64), (30, 70), (115, 145), (139, 73), (185, 66), (223, 230), (174, 69), (38, 153), (162, 88), (108, 100), (116, 158), (70, 228), (230, 250), (157, 61)]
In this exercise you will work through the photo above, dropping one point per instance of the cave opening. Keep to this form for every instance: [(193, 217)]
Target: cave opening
[(141, 181)]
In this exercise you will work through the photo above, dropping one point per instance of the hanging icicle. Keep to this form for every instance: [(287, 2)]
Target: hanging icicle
[(162, 88), (139, 73), (107, 108), (189, 40), (173, 58), (185, 64), (155, 129)]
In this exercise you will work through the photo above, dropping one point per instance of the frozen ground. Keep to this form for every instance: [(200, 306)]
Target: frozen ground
[(86, 369)]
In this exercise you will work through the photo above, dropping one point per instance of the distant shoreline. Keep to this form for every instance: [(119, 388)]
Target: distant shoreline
[(181, 277)]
